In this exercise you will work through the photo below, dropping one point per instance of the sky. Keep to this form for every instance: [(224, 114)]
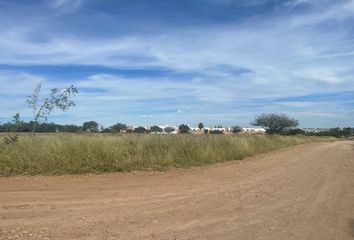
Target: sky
[(147, 62)]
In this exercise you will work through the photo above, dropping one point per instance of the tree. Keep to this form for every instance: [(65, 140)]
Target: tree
[(275, 123), (168, 130), (118, 127), (140, 130), (70, 128), (16, 123), (58, 99), (236, 129), (183, 128), (200, 126), (90, 126), (155, 129), (346, 132)]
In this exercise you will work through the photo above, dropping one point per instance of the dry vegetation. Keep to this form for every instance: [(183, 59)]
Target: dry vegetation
[(72, 153)]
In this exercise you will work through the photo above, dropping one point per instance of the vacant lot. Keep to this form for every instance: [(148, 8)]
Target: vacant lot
[(304, 192)]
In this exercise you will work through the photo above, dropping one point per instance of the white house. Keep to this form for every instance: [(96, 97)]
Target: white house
[(254, 130)]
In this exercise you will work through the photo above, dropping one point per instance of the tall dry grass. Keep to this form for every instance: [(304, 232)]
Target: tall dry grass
[(70, 153)]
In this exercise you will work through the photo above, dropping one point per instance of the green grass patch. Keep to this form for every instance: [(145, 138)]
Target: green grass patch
[(54, 154)]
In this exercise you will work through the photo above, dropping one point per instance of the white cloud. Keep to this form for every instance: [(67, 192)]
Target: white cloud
[(273, 51), (336, 12), (295, 3), (64, 5), (330, 75)]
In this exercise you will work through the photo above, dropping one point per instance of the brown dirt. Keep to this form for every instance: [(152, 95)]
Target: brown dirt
[(305, 192)]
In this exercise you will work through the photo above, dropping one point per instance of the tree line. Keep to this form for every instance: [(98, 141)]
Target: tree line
[(272, 126), (41, 108)]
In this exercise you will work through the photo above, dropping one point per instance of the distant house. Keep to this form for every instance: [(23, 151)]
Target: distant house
[(315, 130), (254, 130), (222, 129)]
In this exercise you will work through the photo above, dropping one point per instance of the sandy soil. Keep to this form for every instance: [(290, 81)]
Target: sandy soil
[(305, 192)]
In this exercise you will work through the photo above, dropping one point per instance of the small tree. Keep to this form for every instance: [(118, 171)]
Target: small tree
[(200, 126), (275, 123), (183, 128), (155, 129), (236, 129), (17, 123), (168, 130), (118, 127), (140, 130), (90, 126), (58, 99)]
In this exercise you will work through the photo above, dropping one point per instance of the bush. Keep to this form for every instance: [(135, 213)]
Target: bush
[(295, 131), (11, 139), (156, 129), (236, 129), (184, 128), (116, 128), (140, 130), (168, 130)]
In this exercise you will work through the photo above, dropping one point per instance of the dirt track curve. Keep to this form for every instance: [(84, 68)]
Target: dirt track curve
[(305, 192)]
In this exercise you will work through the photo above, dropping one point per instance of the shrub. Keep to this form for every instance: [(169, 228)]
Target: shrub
[(11, 139), (183, 128), (140, 130), (236, 129)]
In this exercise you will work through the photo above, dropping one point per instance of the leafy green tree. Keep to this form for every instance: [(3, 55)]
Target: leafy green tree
[(200, 126), (346, 132), (275, 123), (140, 130), (116, 128), (155, 129), (236, 129), (183, 128), (168, 130), (90, 126), (42, 108)]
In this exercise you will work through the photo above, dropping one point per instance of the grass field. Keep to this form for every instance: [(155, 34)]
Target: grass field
[(53, 154)]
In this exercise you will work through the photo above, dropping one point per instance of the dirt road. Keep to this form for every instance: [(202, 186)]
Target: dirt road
[(305, 192)]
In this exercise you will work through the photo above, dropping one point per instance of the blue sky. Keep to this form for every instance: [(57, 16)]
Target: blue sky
[(147, 62)]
